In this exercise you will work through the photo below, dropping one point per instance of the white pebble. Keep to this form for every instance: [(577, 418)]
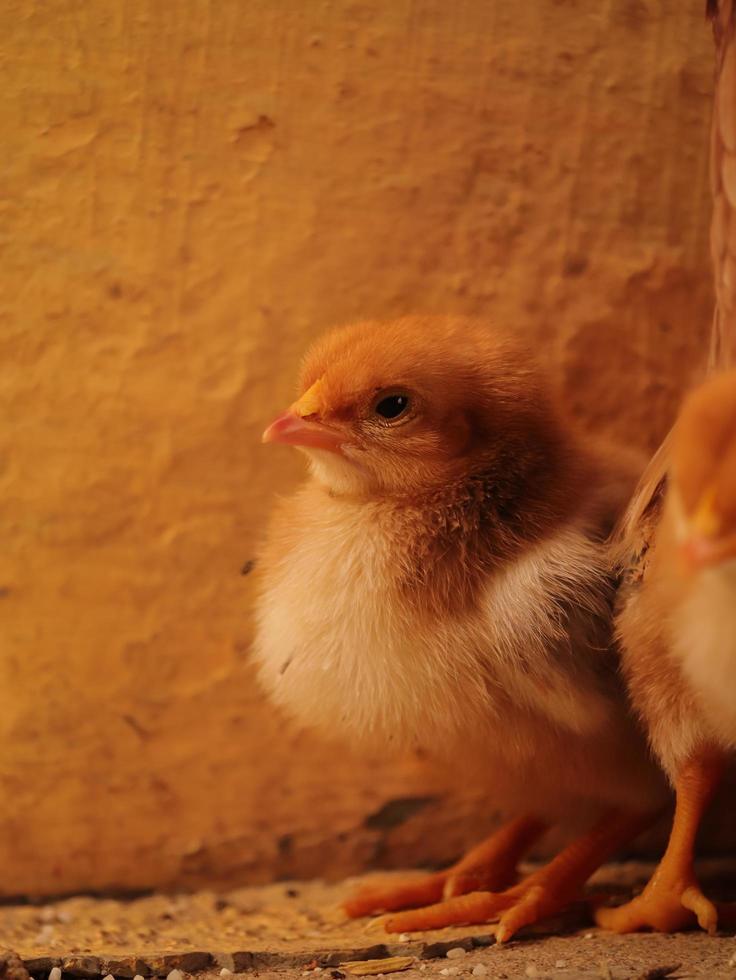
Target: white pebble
[(480, 970), (456, 953), (109, 977), (422, 967), (445, 971), (224, 972), (588, 935), (138, 976), (404, 937), (561, 964), (55, 974), (173, 975), (732, 961), (531, 971)]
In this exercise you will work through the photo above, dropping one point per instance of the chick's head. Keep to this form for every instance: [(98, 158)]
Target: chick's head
[(413, 404), (704, 475)]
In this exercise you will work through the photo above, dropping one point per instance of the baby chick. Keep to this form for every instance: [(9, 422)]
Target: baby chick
[(440, 581), (678, 632)]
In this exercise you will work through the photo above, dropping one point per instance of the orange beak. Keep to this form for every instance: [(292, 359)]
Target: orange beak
[(699, 552), (301, 426), (293, 430), (705, 545)]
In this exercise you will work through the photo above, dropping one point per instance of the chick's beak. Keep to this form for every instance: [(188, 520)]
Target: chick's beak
[(301, 424), (705, 545), (699, 552), (294, 430)]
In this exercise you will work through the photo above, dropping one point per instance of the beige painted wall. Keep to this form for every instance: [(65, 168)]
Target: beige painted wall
[(190, 191)]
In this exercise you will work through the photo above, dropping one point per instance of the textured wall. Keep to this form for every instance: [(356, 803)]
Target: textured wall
[(192, 190)]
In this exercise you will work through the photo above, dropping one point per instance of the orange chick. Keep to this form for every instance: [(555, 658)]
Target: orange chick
[(441, 581), (678, 633)]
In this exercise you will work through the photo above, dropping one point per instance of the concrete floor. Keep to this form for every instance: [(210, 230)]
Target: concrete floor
[(297, 929)]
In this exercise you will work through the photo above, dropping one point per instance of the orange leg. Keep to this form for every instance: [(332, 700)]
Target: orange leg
[(672, 899), (490, 865), (544, 893)]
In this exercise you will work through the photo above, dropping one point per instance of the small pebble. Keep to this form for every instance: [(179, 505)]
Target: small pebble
[(109, 977), (404, 937), (531, 971), (173, 975), (480, 970), (422, 967), (138, 977), (561, 964), (55, 974), (456, 953), (732, 961), (588, 935), (224, 972)]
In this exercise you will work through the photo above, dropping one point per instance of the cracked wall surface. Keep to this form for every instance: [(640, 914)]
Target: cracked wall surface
[(193, 190)]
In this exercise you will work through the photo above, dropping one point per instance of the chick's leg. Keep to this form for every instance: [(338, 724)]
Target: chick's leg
[(490, 865), (544, 893), (672, 899)]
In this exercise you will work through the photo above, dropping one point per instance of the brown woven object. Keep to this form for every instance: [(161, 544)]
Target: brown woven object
[(723, 186), (638, 525)]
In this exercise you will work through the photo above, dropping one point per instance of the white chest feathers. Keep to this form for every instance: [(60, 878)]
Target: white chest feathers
[(341, 647), (704, 636)]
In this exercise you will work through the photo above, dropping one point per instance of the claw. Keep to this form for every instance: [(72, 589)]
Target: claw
[(543, 894), (489, 867), (705, 911), (472, 909), (664, 907), (402, 895)]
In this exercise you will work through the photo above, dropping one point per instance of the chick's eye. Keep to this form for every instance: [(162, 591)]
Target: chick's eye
[(392, 407)]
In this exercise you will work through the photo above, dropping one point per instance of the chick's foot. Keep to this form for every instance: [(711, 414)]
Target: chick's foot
[(538, 897), (666, 906), (490, 866), (672, 899), (541, 895)]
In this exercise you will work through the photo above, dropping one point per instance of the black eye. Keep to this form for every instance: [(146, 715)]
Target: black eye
[(392, 406)]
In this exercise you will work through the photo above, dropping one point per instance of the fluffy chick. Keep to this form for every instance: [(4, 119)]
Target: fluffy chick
[(678, 633), (440, 581)]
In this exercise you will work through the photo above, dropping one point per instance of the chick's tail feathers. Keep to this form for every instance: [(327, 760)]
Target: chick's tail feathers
[(636, 529)]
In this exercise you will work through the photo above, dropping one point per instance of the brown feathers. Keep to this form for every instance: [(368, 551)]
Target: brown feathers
[(441, 579)]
